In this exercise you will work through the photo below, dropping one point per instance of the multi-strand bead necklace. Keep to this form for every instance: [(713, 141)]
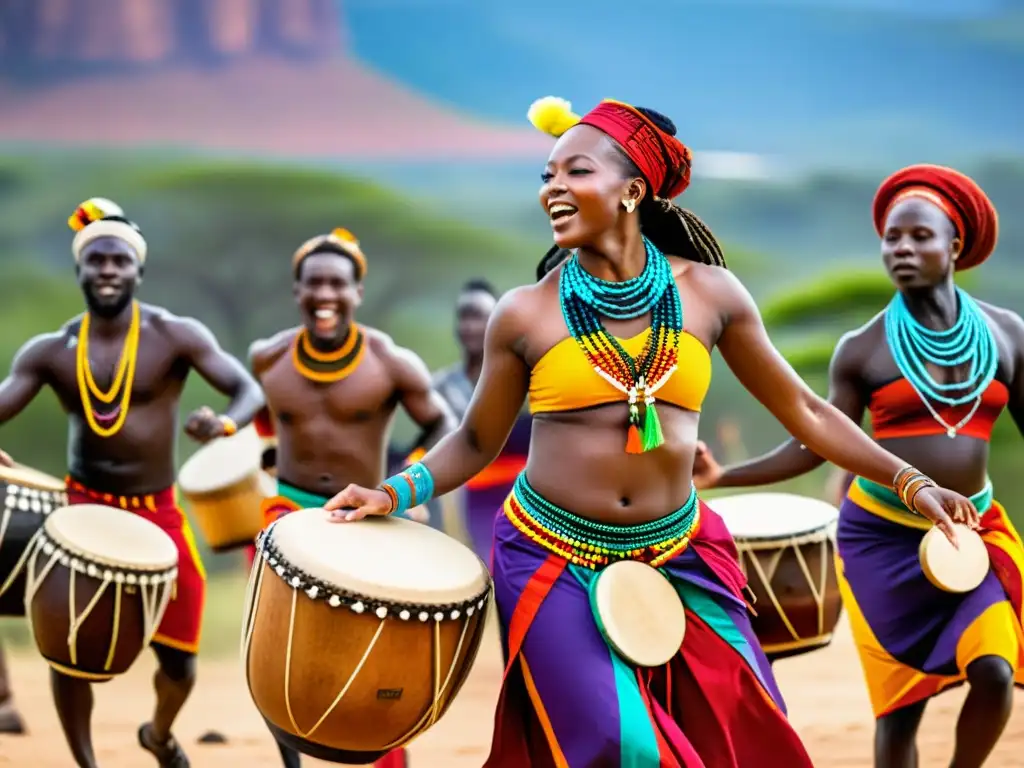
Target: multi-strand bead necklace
[(968, 342), (585, 299), (109, 423)]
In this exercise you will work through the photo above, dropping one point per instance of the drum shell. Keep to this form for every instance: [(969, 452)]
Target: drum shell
[(390, 694), (49, 615), (21, 527), (230, 517), (788, 583)]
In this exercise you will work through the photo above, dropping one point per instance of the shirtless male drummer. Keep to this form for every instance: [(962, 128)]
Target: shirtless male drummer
[(118, 370), (332, 388)]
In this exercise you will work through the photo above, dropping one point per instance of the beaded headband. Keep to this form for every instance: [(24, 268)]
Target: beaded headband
[(99, 217), (340, 240)]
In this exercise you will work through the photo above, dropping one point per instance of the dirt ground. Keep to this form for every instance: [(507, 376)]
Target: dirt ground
[(823, 689)]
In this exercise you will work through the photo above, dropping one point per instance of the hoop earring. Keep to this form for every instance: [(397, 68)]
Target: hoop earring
[(629, 205)]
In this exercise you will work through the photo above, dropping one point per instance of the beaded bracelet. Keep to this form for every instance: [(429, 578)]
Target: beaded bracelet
[(409, 488)]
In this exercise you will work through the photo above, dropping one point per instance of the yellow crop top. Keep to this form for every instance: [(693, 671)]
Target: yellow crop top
[(564, 380)]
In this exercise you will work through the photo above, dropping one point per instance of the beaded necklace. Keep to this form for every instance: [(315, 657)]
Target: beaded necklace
[(968, 342), (110, 423), (328, 367), (585, 299)]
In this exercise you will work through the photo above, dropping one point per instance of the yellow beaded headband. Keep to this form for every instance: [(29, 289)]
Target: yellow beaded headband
[(342, 240), (98, 217)]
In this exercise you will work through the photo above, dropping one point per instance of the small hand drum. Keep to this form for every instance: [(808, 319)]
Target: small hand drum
[(954, 570), (639, 613)]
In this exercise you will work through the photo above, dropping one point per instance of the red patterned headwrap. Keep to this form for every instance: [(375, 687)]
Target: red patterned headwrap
[(957, 195), (663, 159)]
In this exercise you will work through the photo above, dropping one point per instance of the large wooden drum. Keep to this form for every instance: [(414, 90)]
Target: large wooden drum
[(225, 485), (786, 547), (28, 497), (357, 636), (98, 582)]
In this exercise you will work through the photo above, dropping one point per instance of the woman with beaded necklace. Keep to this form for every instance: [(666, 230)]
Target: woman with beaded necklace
[(615, 382), (934, 370)]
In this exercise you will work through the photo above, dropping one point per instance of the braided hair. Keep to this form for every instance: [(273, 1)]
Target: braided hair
[(676, 231), (551, 260)]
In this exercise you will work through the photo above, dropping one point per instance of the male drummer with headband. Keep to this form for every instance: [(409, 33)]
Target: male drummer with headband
[(119, 371), (333, 386)]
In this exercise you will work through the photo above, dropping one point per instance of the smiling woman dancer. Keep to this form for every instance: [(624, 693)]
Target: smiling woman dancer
[(602, 448), (934, 370)]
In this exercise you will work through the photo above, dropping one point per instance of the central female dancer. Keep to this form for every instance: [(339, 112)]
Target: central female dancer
[(935, 370), (603, 448)]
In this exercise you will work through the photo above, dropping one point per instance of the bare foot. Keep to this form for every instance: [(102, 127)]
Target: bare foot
[(168, 755), (10, 721)]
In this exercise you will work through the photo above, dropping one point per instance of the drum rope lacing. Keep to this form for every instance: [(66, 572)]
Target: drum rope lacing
[(25, 499), (268, 554), (794, 542), (149, 584)]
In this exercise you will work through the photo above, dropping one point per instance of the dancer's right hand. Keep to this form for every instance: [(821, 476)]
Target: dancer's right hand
[(355, 503), (942, 507), (6, 460), (706, 470)]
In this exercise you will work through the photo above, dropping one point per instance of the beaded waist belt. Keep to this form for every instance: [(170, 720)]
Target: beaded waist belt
[(592, 544), (982, 500)]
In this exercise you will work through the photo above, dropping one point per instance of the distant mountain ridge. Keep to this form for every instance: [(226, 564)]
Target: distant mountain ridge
[(832, 81)]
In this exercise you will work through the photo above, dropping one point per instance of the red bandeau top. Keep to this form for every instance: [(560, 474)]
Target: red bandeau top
[(898, 411)]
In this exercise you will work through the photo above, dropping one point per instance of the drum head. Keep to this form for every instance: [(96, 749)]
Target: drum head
[(386, 558), (222, 462), (954, 570), (640, 613), (773, 515), (112, 536), (31, 478)]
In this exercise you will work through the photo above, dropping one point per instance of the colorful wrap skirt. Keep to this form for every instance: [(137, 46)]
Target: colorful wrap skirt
[(914, 639), (568, 700)]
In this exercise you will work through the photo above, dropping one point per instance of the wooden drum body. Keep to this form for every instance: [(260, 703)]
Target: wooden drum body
[(27, 497), (787, 549), (98, 582), (357, 636), (225, 486)]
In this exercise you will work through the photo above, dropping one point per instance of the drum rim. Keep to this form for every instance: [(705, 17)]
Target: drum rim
[(10, 476), (195, 460), (611, 636), (800, 531), (932, 533), (338, 597), (97, 567), (47, 541)]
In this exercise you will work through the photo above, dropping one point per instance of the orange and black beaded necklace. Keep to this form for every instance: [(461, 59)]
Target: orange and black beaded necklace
[(328, 367)]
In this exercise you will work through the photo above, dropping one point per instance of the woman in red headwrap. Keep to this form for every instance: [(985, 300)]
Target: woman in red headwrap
[(604, 667), (934, 370)]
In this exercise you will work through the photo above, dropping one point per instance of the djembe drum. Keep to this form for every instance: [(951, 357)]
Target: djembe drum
[(786, 549), (28, 497), (357, 636), (98, 582), (954, 570), (225, 484)]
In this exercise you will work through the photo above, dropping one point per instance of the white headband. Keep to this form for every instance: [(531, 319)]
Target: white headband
[(109, 228)]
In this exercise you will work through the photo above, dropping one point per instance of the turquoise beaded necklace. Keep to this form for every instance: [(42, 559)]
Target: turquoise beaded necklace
[(968, 342), (585, 299)]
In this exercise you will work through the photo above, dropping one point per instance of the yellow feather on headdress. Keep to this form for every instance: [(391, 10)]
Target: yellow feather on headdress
[(343, 234), (552, 115), (93, 209)]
